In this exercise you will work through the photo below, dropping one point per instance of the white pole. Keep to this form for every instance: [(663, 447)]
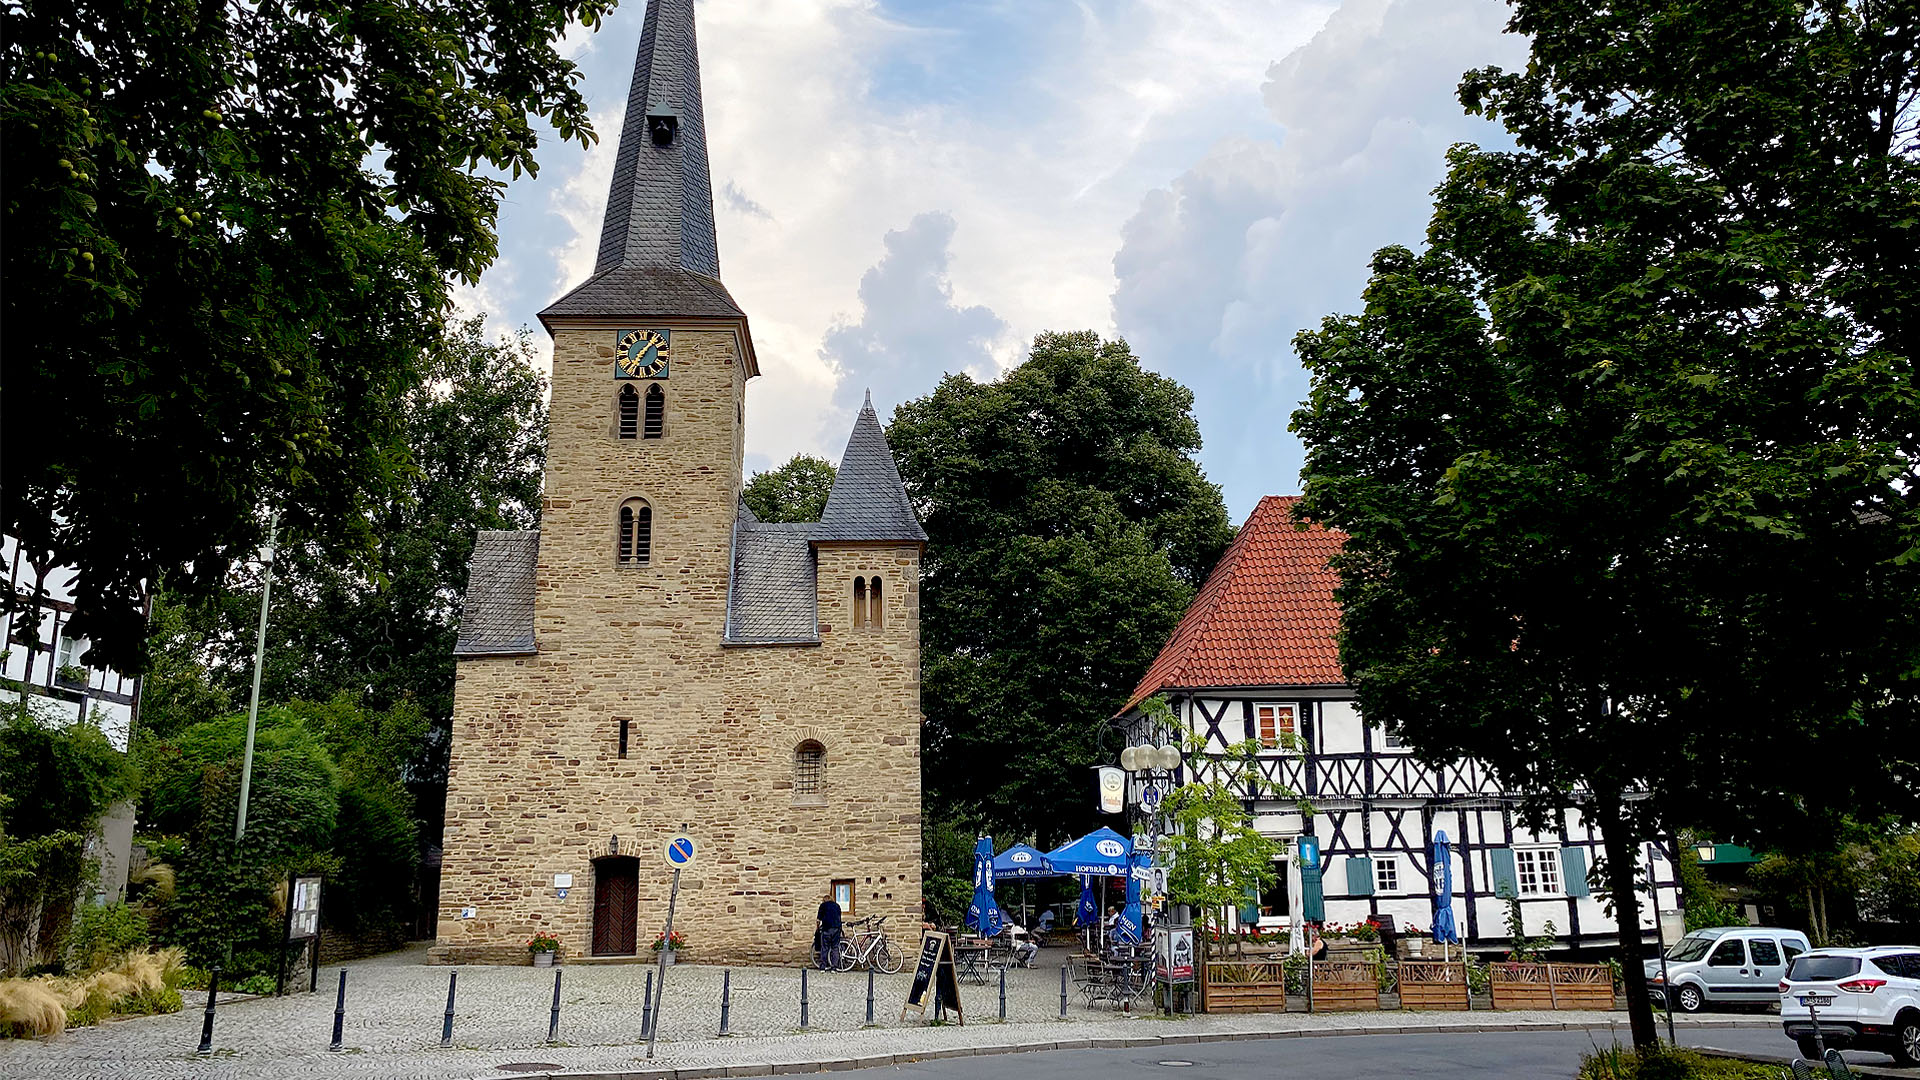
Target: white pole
[(253, 702)]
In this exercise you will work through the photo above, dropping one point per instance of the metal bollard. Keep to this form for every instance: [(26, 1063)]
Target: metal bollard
[(206, 1022), (1063, 993), (803, 997), (446, 1026), (646, 1010), (339, 1011), (869, 997), (553, 1021), (1003, 993), (726, 998)]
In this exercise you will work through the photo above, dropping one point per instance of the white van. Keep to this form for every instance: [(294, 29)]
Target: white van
[(1726, 965)]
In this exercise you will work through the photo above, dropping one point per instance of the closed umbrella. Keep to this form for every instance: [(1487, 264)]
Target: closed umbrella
[(1087, 912), (983, 914), (1127, 930), (1443, 928)]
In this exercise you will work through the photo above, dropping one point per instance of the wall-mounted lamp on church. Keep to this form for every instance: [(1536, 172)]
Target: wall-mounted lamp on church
[(662, 122)]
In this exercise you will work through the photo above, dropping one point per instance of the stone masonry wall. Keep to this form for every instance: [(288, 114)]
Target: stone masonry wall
[(536, 787)]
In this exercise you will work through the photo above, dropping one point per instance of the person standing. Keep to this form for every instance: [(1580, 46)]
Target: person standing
[(827, 932)]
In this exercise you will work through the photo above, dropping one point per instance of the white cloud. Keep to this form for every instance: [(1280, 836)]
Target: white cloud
[(1262, 237)]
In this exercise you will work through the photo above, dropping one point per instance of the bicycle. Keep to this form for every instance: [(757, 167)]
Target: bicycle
[(869, 945)]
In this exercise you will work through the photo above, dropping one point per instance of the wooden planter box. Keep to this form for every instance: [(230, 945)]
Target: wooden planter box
[(1345, 986), (1250, 985), (1551, 986), (1432, 984)]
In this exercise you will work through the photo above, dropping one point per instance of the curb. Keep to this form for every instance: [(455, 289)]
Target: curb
[(843, 1064)]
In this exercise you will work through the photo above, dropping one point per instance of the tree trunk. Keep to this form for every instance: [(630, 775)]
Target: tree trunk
[(1620, 849)]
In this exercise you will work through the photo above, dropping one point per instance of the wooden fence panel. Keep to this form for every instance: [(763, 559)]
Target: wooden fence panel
[(1244, 986), (1432, 984), (1345, 986), (1552, 986)]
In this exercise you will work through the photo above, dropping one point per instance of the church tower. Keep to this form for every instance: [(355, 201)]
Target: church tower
[(655, 661)]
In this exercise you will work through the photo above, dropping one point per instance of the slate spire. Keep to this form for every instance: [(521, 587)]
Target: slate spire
[(658, 254), (868, 501)]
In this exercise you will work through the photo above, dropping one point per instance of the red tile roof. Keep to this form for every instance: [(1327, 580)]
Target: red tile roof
[(1265, 617)]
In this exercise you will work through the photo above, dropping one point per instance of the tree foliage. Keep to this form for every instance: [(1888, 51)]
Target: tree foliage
[(231, 234), (1627, 457), (796, 491), (1068, 525)]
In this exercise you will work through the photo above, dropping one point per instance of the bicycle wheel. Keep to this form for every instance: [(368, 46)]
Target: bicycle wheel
[(887, 958), (846, 957)]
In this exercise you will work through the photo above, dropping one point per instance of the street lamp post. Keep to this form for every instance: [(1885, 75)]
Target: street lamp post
[(253, 702)]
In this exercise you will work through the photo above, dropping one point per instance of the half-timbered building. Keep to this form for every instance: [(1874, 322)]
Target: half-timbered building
[(1255, 658)]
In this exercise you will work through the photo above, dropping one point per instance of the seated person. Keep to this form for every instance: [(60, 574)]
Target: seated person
[(1045, 925), (1024, 947)]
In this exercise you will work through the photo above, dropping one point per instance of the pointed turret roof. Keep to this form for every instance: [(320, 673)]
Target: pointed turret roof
[(868, 502), (658, 254)]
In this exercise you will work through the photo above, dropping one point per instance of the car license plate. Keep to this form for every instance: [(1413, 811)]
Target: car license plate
[(1816, 999)]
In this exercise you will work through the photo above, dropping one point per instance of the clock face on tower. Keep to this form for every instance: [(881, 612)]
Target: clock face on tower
[(640, 354)]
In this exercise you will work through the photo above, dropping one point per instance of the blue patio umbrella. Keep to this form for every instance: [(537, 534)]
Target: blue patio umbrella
[(1087, 912), (1101, 852), (1021, 861), (983, 914), (1444, 931)]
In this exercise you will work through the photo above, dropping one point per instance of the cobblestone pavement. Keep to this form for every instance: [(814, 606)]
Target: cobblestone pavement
[(395, 1005)]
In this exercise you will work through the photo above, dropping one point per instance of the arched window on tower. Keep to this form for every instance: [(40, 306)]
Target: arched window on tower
[(656, 412), (629, 412), (809, 769), (636, 533), (859, 602), (873, 593)]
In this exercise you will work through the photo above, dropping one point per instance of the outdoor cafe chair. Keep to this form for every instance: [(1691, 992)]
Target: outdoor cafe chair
[(1837, 1066), (1801, 1070)]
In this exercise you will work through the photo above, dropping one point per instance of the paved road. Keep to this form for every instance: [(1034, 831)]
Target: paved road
[(1482, 1056)]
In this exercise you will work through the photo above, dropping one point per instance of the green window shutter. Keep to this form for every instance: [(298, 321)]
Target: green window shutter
[(1250, 906), (1359, 875), (1506, 882), (1573, 870)]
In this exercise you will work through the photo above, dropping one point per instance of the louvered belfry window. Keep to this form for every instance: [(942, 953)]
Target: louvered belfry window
[(629, 413), (656, 412), (636, 532), (809, 767)]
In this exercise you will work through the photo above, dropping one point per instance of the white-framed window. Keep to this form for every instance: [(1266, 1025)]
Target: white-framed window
[(1390, 741), (1537, 871), (1386, 874), (1274, 721)]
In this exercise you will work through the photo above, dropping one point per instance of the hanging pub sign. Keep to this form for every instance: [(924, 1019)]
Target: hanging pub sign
[(1111, 787), (936, 980)]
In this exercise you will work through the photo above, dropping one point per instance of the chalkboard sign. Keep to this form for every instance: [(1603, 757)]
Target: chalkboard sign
[(935, 978)]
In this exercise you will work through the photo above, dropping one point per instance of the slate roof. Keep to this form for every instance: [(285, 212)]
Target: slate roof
[(868, 502), (658, 252), (1265, 617), (771, 598), (498, 617)]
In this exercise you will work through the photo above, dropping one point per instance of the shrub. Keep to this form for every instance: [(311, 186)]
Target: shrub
[(1618, 1062), (102, 934)]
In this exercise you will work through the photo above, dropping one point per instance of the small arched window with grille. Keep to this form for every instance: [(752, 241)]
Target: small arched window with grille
[(656, 412), (629, 412), (859, 602), (635, 545), (873, 594), (809, 768)]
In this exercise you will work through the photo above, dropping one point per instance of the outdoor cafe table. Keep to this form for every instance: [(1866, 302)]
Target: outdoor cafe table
[(969, 958)]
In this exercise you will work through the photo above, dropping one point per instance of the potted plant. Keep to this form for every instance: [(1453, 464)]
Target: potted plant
[(669, 945), (545, 949), (70, 676)]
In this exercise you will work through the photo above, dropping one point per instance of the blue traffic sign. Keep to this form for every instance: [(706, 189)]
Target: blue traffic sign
[(680, 851)]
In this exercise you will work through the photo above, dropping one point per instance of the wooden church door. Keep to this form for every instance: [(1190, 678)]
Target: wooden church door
[(616, 898)]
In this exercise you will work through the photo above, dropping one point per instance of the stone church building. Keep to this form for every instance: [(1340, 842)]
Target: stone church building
[(655, 660)]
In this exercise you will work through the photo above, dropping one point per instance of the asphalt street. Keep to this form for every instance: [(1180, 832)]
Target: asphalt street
[(1482, 1056)]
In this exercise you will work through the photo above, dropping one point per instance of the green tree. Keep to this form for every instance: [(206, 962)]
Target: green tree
[(796, 491), (1068, 525), (1627, 459), (56, 781), (232, 231)]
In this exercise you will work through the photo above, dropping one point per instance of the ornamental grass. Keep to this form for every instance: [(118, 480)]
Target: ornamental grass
[(140, 983)]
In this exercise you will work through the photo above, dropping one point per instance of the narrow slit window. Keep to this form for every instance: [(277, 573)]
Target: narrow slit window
[(656, 411), (624, 722), (629, 412), (859, 602), (809, 768), (636, 532), (873, 592)]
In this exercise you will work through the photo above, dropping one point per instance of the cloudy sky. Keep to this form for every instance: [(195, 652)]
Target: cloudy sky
[(911, 187)]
